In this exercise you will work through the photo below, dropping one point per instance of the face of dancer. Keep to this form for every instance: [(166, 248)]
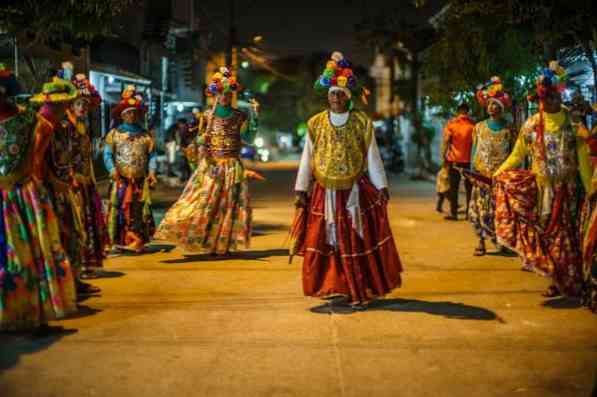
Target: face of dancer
[(338, 101), (81, 108), (129, 117), (552, 102), (494, 110), (225, 99)]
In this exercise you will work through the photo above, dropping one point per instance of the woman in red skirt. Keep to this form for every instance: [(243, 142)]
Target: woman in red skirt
[(348, 247)]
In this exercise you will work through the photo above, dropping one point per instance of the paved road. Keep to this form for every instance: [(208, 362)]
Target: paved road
[(170, 325)]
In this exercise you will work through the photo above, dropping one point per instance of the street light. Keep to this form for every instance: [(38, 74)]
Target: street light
[(180, 107), (245, 64)]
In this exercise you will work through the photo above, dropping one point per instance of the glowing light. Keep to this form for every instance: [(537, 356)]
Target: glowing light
[(111, 79), (259, 142), (244, 64), (180, 107)]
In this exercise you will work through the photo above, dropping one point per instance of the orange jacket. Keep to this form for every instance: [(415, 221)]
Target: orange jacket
[(458, 139)]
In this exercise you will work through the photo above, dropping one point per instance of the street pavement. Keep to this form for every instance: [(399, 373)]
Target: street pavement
[(167, 324)]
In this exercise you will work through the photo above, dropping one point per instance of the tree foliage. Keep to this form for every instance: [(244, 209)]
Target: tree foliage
[(481, 38), (46, 21)]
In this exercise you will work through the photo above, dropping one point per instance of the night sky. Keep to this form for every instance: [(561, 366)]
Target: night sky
[(302, 27)]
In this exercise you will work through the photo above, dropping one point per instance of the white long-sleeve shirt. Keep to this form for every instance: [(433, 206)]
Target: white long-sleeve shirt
[(375, 169)]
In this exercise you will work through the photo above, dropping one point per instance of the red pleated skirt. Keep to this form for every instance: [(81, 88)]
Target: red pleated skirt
[(361, 268)]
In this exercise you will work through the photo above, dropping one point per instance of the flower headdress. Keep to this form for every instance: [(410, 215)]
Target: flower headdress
[(131, 100), (56, 91), (8, 82), (87, 90), (222, 82), (551, 79), (493, 91), (338, 74)]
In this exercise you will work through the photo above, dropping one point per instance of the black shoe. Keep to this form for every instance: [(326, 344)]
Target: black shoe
[(451, 217), (86, 288)]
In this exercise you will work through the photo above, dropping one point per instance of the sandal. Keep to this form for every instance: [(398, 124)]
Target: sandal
[(551, 292)]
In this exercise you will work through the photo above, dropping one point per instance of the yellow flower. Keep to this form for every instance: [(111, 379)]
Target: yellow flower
[(331, 65), (217, 76), (342, 80)]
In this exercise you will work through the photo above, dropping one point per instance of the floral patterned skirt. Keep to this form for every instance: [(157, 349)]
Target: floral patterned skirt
[(548, 246), (82, 226), (482, 212), (213, 214), (129, 211), (36, 280)]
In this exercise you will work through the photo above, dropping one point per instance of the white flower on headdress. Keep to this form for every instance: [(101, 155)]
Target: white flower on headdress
[(337, 56), (80, 77), (130, 87), (67, 65), (495, 79)]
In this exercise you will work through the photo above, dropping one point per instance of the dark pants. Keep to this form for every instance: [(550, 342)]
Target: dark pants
[(454, 176)]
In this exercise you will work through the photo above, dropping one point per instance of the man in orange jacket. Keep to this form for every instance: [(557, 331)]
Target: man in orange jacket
[(456, 152)]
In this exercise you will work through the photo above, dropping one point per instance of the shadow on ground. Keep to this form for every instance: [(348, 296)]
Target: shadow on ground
[(263, 229), (451, 310), (15, 344), (248, 255), (562, 303), (107, 274)]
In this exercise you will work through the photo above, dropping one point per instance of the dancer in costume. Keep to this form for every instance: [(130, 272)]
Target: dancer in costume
[(348, 247), (130, 158), (588, 234), (75, 197), (36, 279), (536, 211), (493, 139), (213, 214), (192, 152)]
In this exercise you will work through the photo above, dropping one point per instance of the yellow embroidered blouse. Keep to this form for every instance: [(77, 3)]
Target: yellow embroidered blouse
[(340, 153), (565, 154)]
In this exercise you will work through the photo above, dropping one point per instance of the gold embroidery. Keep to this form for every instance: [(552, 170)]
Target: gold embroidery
[(340, 153)]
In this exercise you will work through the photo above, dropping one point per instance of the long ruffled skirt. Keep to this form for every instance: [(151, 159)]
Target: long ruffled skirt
[(82, 226), (548, 246), (589, 245), (213, 214), (36, 280), (361, 268)]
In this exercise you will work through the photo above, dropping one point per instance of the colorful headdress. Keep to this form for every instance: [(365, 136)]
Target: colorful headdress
[(56, 91), (551, 79), (222, 82), (8, 82), (493, 91), (131, 100), (87, 90), (338, 75)]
